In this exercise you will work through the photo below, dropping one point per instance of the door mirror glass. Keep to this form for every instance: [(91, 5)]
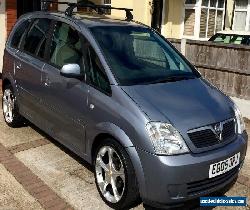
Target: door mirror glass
[(71, 71)]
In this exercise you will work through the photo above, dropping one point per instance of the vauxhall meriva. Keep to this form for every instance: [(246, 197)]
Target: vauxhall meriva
[(120, 96)]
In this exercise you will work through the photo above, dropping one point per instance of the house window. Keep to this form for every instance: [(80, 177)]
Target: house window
[(203, 18), (189, 20), (107, 3), (242, 15)]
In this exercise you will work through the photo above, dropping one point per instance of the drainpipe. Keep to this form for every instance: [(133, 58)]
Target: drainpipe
[(229, 14), (183, 46)]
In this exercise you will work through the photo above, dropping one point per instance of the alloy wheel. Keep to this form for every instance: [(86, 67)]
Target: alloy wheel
[(8, 105), (110, 174)]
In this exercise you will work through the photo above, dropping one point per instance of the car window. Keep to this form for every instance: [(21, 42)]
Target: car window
[(36, 37), (138, 55), (236, 39), (66, 46), (19, 32), (96, 73), (219, 38), (246, 40), (230, 39), (223, 38), (155, 55)]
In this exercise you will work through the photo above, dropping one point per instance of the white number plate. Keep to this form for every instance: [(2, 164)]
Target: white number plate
[(223, 166)]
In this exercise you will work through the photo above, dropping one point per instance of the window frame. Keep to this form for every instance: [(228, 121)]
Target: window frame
[(88, 80), (85, 44), (32, 21), (197, 7), (47, 57), (247, 10), (110, 4), (29, 21), (192, 67)]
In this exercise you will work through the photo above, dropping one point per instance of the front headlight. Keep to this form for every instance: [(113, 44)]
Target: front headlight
[(166, 139), (240, 121)]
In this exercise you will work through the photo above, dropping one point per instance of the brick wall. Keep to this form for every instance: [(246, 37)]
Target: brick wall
[(11, 12), (2, 32), (54, 7)]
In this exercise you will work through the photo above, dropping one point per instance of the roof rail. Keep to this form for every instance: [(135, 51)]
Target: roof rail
[(100, 9)]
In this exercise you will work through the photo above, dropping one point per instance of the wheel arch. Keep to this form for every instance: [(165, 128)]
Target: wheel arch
[(5, 82), (109, 130), (97, 141), (120, 136)]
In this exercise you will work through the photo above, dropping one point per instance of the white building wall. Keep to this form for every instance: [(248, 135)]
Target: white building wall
[(2, 31), (64, 7)]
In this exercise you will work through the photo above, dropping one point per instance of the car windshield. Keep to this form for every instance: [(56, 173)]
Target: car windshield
[(231, 39), (139, 55)]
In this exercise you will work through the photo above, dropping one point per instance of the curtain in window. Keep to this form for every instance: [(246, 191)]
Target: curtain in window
[(240, 15), (189, 22), (219, 21), (249, 25), (211, 23), (240, 20), (203, 23)]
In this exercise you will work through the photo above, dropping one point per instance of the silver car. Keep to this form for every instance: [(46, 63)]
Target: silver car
[(121, 97)]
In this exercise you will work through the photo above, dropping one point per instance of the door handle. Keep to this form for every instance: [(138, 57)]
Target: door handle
[(47, 82), (19, 66)]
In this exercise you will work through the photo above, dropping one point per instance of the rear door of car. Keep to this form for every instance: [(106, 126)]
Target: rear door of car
[(65, 99), (29, 68), (11, 60)]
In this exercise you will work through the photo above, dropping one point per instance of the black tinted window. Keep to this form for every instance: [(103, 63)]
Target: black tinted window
[(246, 40), (66, 46), (96, 72), (36, 37), (15, 42)]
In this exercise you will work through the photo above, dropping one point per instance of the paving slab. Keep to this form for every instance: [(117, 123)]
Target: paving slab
[(12, 137), (13, 195), (246, 168), (238, 190), (69, 179)]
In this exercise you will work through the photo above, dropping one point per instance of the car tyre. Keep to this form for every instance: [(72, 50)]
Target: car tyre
[(114, 176), (10, 108)]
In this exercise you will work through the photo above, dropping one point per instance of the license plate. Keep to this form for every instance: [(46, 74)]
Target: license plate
[(223, 166)]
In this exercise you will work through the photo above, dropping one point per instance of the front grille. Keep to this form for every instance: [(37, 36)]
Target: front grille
[(206, 136), (208, 184), (228, 130)]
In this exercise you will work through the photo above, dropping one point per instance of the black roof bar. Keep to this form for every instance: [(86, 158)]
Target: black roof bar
[(100, 9)]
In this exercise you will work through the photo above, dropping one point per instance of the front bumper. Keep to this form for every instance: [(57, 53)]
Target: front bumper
[(169, 180)]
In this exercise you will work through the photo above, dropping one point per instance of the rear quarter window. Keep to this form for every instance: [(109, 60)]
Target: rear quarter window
[(36, 37), (18, 34)]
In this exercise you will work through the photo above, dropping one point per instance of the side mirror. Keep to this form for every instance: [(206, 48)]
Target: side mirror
[(71, 71)]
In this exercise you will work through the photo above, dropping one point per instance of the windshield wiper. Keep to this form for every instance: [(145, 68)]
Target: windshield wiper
[(173, 78)]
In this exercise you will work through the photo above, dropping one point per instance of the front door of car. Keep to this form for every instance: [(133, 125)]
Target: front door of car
[(28, 68), (65, 98)]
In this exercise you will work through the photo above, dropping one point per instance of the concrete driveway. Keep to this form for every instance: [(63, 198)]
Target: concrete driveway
[(38, 173)]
